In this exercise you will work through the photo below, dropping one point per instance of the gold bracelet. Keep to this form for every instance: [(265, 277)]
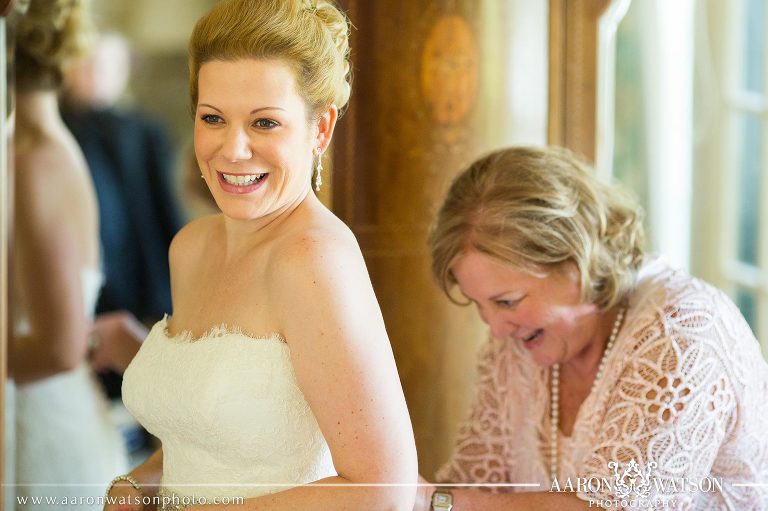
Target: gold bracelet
[(125, 477)]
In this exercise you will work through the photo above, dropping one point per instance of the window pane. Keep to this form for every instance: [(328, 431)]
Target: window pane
[(754, 45), (748, 191), (630, 156), (746, 301)]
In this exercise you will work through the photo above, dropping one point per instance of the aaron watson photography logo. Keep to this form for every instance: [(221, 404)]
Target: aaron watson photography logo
[(634, 485), (632, 481)]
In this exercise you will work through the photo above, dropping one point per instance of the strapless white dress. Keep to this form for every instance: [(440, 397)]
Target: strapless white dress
[(65, 441), (229, 412)]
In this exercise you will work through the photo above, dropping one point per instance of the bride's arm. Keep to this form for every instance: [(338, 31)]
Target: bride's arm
[(345, 368), (49, 260), (147, 475)]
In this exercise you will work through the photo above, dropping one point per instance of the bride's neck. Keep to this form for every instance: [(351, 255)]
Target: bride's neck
[(37, 109)]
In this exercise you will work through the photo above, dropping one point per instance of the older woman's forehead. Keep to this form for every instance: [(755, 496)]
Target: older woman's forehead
[(479, 275)]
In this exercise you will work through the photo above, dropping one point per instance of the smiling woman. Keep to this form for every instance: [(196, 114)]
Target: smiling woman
[(252, 139), (274, 380), (545, 314), (604, 364)]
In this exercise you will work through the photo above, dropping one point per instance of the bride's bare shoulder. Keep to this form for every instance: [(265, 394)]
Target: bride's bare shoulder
[(192, 239), (327, 246)]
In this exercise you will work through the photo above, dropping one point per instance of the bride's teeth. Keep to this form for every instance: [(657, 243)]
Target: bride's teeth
[(242, 180)]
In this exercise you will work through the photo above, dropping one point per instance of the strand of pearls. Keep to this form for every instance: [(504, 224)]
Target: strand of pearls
[(555, 393)]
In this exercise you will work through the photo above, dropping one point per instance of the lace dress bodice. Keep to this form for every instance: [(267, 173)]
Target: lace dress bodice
[(684, 387), (229, 412)]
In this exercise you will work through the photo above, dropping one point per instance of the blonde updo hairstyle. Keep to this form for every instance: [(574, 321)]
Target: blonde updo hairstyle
[(48, 35), (536, 209), (311, 36)]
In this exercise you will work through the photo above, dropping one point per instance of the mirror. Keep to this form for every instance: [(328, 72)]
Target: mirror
[(159, 57)]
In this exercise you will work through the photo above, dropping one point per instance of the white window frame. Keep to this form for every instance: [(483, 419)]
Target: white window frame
[(716, 256)]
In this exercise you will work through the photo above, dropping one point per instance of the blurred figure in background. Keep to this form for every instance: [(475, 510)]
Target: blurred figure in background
[(64, 438), (130, 160)]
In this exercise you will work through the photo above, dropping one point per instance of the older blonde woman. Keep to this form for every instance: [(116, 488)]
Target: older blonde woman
[(611, 378)]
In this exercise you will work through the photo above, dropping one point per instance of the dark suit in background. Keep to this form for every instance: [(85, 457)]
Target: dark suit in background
[(131, 164)]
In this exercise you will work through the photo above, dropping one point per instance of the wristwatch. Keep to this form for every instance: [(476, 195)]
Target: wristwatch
[(442, 500)]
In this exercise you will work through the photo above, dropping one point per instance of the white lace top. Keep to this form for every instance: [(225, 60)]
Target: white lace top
[(61, 439), (230, 415), (685, 387)]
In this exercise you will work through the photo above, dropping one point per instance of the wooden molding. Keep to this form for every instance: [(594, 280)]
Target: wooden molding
[(5, 225), (573, 36)]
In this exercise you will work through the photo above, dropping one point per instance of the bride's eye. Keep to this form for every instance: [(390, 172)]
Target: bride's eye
[(211, 119), (265, 124)]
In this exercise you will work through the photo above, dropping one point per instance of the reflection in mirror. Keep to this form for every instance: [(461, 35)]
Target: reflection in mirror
[(157, 91), (65, 440)]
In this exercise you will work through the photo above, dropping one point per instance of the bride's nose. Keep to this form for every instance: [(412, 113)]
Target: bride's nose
[(236, 145)]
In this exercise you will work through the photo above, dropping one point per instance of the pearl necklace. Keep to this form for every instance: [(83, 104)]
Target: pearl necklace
[(555, 393)]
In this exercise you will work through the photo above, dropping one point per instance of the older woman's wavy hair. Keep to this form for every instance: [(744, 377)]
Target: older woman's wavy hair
[(535, 209), (48, 35)]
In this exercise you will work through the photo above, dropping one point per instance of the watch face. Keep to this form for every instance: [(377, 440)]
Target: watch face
[(442, 500)]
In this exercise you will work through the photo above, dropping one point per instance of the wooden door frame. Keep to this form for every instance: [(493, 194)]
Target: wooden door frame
[(6, 6), (573, 74)]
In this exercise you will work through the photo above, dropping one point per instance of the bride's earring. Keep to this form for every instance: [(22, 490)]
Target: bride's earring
[(319, 170)]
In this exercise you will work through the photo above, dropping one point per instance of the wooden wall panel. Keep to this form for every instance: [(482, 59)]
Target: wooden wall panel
[(411, 126)]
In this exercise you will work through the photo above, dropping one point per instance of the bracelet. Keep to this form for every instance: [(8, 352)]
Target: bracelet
[(125, 477)]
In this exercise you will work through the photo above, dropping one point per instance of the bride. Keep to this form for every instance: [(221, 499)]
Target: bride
[(274, 380)]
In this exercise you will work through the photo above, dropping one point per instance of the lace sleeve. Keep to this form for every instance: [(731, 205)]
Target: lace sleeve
[(479, 451), (671, 408)]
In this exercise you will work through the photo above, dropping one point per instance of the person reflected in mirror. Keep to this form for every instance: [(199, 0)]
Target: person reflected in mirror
[(64, 437), (605, 364), (274, 379)]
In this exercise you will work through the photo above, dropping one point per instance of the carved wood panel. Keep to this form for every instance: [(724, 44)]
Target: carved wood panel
[(410, 127)]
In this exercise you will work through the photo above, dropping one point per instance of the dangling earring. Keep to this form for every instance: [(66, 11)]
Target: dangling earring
[(319, 170)]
